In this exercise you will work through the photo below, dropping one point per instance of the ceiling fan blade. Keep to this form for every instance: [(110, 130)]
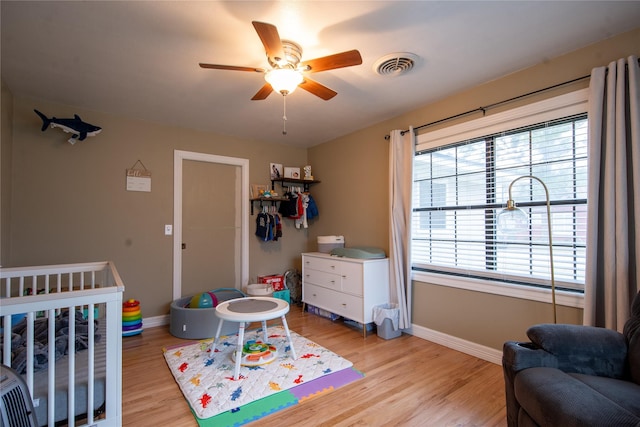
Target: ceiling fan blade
[(331, 62), (270, 38), (231, 67), (317, 89), (263, 93)]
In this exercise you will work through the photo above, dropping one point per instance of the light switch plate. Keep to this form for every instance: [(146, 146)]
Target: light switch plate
[(168, 229)]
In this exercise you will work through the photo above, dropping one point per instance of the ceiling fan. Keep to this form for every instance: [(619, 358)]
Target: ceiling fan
[(287, 71)]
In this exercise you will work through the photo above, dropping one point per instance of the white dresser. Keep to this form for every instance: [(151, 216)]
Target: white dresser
[(348, 287)]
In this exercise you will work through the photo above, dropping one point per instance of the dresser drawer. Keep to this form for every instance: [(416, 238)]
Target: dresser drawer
[(348, 306), (329, 265), (347, 287), (322, 278), (352, 278), (334, 273)]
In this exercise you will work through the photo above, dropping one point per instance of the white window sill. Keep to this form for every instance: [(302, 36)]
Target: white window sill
[(569, 299)]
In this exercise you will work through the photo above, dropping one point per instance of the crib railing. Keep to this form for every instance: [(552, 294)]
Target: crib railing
[(93, 289)]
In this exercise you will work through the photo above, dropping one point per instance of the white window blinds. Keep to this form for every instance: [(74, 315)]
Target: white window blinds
[(460, 188)]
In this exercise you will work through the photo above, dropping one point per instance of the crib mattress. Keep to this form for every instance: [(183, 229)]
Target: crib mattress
[(40, 382)]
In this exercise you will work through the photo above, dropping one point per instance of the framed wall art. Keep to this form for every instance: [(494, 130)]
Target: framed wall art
[(257, 190), (292, 173), (275, 170)]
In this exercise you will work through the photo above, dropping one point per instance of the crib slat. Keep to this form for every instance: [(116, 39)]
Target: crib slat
[(30, 339), (51, 385), (114, 358), (6, 344), (71, 397), (91, 365)]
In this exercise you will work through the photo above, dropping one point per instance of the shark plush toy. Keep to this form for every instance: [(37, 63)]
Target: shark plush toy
[(78, 129)]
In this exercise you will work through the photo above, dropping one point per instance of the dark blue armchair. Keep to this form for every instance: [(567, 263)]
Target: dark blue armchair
[(572, 375)]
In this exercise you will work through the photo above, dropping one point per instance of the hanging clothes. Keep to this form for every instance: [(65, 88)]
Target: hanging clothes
[(269, 225), (263, 226), (289, 208), (312, 208), (303, 202), (278, 227)]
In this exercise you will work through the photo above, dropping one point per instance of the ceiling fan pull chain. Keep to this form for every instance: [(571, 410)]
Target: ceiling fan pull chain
[(284, 115)]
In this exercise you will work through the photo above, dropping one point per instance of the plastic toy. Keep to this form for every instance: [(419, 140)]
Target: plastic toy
[(203, 300), (256, 353), (131, 318)]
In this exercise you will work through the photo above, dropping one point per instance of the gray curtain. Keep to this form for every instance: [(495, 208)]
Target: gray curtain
[(613, 233), (401, 152)]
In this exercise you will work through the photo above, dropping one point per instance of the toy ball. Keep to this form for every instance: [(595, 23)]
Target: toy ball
[(203, 300)]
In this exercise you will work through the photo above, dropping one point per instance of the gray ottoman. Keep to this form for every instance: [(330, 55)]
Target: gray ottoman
[(201, 323)]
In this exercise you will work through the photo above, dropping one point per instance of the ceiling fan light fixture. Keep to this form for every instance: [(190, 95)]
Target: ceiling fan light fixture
[(283, 80), (291, 58)]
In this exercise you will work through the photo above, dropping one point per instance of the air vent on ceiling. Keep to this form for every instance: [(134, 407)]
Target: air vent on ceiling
[(395, 64)]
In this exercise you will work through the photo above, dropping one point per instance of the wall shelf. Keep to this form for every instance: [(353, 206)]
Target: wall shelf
[(293, 181), (306, 183), (262, 200)]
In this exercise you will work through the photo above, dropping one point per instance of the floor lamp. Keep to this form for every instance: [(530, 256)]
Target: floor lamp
[(512, 217)]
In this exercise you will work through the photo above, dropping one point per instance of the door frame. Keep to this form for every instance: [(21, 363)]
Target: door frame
[(179, 157)]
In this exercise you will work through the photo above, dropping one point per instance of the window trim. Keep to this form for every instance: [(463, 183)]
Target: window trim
[(528, 292), (549, 109)]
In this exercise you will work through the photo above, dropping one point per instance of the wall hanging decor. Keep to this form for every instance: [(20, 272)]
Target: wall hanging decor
[(292, 173), (275, 170), (78, 129), (139, 179)]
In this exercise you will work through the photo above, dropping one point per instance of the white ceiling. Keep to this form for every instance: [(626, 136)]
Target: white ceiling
[(139, 59)]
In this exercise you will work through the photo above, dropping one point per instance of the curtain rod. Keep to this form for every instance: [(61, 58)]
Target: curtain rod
[(495, 104), (484, 109)]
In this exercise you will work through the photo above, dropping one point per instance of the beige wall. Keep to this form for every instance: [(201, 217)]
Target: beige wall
[(70, 203), (354, 193), (6, 111)]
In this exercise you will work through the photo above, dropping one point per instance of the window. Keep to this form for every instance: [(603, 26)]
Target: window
[(461, 186)]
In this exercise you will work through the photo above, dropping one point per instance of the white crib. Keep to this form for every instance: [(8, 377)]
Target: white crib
[(82, 381)]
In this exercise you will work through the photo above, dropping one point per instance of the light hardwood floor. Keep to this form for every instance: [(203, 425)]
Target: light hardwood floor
[(408, 382)]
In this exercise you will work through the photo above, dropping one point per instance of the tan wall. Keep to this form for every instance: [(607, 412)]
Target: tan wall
[(70, 203), (354, 194), (6, 111)]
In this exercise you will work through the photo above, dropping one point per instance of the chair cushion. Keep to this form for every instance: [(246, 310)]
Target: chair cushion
[(583, 349), (552, 397), (632, 334), (624, 393)]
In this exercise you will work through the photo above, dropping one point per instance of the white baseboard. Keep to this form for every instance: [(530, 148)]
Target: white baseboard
[(480, 351), (150, 322)]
